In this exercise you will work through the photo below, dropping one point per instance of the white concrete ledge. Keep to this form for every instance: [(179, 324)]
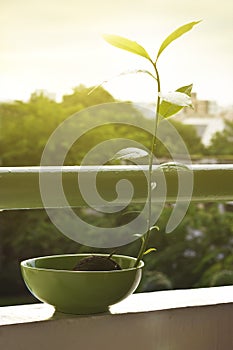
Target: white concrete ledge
[(194, 319)]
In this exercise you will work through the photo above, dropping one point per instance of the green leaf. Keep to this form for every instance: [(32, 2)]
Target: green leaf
[(175, 35), (187, 89), (139, 71), (126, 44), (130, 153), (136, 71), (167, 109), (149, 251)]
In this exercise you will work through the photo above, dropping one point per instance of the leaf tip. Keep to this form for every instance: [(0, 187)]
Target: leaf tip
[(149, 251)]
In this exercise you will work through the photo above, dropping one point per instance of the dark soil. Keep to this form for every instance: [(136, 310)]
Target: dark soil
[(97, 263)]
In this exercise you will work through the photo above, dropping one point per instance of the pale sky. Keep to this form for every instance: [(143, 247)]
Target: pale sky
[(56, 45)]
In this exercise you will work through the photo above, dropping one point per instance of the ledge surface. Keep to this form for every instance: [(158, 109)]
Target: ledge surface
[(136, 303), (197, 319)]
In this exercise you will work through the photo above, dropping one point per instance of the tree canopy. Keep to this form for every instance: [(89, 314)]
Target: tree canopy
[(222, 142), (26, 127)]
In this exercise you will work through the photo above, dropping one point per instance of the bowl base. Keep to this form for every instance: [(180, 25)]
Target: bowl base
[(83, 311)]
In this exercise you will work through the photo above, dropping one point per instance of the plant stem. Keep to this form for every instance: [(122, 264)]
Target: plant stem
[(146, 236)]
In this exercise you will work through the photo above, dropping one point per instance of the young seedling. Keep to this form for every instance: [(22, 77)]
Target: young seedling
[(166, 106)]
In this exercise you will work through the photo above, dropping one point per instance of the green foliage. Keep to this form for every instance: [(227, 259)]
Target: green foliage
[(149, 250), (126, 44), (81, 98), (175, 35), (188, 134), (135, 48), (222, 278), (27, 127), (167, 109), (178, 98), (200, 247), (25, 234), (154, 281), (222, 142)]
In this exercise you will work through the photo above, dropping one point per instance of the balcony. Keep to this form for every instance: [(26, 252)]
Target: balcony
[(178, 320)]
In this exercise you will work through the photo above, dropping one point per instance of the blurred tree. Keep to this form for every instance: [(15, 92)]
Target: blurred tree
[(25, 234), (83, 97), (154, 281), (222, 142), (198, 248), (187, 133), (26, 128), (222, 278)]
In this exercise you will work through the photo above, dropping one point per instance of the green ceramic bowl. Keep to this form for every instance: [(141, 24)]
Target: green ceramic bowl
[(51, 280)]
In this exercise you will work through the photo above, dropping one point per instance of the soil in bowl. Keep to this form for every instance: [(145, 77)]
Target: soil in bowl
[(97, 263)]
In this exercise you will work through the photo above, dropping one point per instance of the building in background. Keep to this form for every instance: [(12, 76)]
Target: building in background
[(206, 117)]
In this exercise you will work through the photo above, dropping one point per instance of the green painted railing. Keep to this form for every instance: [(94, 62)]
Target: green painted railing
[(20, 186)]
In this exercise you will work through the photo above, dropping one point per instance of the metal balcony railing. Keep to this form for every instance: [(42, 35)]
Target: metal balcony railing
[(19, 186)]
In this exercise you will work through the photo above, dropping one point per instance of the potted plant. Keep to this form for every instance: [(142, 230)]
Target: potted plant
[(90, 283)]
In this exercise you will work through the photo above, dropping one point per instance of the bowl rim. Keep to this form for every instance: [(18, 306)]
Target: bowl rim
[(24, 263)]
